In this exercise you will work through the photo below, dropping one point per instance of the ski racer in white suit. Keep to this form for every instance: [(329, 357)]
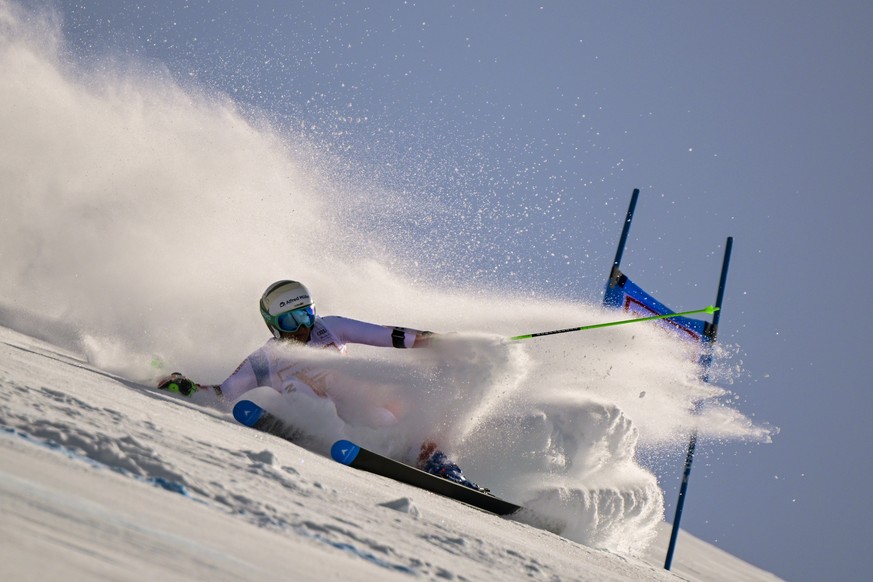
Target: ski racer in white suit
[(289, 312)]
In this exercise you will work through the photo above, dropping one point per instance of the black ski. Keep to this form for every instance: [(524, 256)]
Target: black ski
[(348, 453)]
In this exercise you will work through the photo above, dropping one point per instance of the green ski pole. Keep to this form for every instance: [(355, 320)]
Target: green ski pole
[(711, 309)]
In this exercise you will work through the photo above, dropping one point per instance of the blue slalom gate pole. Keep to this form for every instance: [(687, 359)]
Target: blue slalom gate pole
[(711, 334), (624, 232)]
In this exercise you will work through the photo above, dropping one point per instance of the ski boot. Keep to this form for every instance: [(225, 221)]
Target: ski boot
[(435, 462)]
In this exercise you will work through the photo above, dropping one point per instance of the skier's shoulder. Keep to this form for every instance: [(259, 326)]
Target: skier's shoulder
[(348, 329), (341, 321), (268, 345), (266, 351)]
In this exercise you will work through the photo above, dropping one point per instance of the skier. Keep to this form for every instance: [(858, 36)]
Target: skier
[(289, 312)]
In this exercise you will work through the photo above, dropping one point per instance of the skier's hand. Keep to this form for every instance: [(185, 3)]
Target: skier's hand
[(423, 339), (178, 383)]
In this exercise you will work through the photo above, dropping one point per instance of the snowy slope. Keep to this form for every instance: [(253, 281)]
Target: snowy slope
[(101, 478)]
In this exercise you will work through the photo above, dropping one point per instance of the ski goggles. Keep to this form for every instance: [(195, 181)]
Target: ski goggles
[(290, 321)]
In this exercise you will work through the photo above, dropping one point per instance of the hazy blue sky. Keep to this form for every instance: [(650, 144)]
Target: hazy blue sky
[(745, 119)]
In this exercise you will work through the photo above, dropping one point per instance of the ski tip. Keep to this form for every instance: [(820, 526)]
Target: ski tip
[(247, 412), (344, 452)]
